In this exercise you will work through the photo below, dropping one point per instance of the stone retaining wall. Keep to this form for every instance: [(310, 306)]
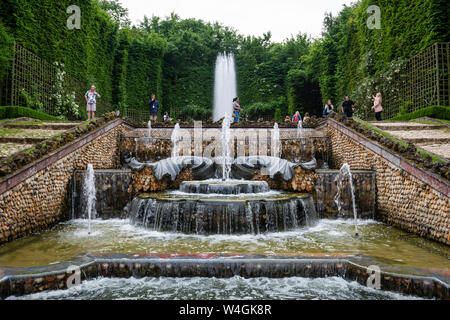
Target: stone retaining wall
[(407, 197), (294, 150), (114, 190), (36, 197), (326, 189)]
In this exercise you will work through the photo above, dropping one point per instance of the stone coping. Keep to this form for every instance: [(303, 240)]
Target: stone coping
[(429, 178), (21, 281), (336, 171), (269, 139), (30, 170)]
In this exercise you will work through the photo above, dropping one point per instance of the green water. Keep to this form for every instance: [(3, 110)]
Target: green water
[(328, 238)]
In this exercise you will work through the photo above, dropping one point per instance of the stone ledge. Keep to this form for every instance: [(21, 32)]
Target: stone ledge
[(28, 171), (429, 178), (22, 281)]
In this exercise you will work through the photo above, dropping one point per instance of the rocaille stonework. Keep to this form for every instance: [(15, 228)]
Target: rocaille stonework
[(402, 200), (41, 201)]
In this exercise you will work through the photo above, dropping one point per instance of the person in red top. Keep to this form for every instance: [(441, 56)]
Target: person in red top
[(297, 117)]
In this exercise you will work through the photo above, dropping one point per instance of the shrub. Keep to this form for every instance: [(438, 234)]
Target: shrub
[(438, 112), (12, 112), (194, 112), (259, 110)]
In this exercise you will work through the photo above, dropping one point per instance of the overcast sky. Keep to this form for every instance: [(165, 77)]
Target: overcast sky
[(250, 17)]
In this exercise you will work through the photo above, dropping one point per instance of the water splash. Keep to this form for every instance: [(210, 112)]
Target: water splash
[(300, 129), (175, 139), (276, 142), (225, 85), (89, 195), (344, 173), (226, 140)]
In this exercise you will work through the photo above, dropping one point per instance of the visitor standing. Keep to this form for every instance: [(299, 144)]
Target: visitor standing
[(348, 107), (377, 107), (154, 108), (328, 108), (236, 109), (297, 117), (91, 101), (307, 117)]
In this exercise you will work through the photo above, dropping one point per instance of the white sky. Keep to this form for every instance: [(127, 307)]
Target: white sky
[(250, 17)]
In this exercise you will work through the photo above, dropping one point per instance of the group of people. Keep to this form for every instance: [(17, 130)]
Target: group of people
[(347, 108), (297, 118)]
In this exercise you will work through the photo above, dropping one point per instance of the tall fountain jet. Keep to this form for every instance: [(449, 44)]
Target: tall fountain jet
[(225, 86), (89, 195)]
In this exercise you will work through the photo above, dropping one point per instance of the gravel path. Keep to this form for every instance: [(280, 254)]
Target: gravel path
[(7, 149)]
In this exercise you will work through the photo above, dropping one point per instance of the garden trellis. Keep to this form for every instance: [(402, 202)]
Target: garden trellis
[(421, 82), (36, 77)]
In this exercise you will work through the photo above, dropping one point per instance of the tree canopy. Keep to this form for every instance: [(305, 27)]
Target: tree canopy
[(174, 58)]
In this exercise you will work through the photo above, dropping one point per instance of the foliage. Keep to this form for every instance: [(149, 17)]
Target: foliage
[(349, 54), (6, 50), (32, 101), (175, 58), (116, 11), (194, 112), (438, 112), (64, 100), (11, 112), (259, 110)]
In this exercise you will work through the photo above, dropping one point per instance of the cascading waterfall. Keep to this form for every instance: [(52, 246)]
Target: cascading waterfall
[(225, 86), (225, 216), (226, 139), (89, 195), (175, 137), (346, 172)]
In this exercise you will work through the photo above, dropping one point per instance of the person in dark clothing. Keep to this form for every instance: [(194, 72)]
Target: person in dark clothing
[(348, 106), (154, 108)]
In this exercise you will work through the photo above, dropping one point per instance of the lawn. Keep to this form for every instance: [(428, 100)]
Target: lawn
[(402, 143)]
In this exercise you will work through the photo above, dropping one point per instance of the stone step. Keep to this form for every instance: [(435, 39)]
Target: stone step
[(427, 140), (392, 126), (423, 136), (42, 126), (22, 140)]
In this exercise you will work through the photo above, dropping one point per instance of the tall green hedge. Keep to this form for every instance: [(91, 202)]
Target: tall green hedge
[(12, 112), (174, 58)]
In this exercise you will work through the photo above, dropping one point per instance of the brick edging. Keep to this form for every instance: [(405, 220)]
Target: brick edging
[(427, 177), (31, 169)]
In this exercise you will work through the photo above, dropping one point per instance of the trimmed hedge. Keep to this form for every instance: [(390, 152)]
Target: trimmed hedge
[(19, 112), (438, 112)]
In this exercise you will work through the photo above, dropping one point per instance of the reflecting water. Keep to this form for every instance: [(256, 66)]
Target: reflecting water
[(328, 237), (236, 288)]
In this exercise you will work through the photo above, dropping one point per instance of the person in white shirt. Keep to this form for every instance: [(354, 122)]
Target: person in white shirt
[(91, 100), (328, 108)]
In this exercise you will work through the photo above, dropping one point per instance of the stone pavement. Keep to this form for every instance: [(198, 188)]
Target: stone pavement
[(431, 138)]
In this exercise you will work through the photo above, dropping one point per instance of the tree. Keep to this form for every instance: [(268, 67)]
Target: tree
[(116, 11)]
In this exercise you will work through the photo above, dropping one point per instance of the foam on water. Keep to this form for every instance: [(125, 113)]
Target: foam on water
[(236, 288)]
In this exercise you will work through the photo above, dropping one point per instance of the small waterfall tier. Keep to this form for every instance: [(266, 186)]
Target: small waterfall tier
[(230, 187), (235, 210)]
